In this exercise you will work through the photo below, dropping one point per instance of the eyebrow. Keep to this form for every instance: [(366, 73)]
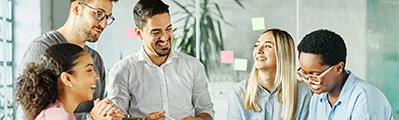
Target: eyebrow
[(89, 65), (157, 29), (265, 42)]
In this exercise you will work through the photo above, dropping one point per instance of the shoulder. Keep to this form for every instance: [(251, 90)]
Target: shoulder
[(187, 58), (126, 63), (239, 88), (47, 39), (304, 90), (55, 111)]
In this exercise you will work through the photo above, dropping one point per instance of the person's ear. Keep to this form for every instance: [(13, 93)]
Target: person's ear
[(138, 32), (75, 8), (66, 79), (340, 67)]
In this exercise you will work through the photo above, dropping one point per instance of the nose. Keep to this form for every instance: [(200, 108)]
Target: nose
[(260, 50), (165, 36), (96, 76), (103, 23)]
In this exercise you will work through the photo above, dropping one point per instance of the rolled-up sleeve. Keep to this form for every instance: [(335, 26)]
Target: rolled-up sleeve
[(201, 99), (118, 86)]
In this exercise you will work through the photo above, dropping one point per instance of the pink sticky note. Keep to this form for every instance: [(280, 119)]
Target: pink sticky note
[(227, 56), (130, 33)]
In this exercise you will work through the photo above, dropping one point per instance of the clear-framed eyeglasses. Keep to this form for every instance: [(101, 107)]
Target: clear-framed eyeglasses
[(100, 14)]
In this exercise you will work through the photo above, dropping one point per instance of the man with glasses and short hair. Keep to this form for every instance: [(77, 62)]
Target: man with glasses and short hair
[(339, 94), (86, 21)]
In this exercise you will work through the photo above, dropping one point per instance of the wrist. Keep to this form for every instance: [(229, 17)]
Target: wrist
[(88, 116)]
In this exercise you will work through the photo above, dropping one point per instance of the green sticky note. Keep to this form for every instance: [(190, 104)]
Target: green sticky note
[(240, 64), (258, 23)]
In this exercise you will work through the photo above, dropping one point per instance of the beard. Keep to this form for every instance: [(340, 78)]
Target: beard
[(86, 32), (163, 51)]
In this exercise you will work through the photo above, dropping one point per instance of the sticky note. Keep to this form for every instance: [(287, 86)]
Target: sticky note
[(258, 23), (130, 33), (227, 56), (240, 64)]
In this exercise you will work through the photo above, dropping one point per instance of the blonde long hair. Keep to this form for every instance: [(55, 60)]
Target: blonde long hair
[(285, 79)]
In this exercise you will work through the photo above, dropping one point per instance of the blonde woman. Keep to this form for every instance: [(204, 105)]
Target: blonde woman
[(271, 91)]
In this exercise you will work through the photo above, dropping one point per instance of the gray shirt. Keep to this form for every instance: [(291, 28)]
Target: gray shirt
[(41, 43), (177, 87), (269, 104)]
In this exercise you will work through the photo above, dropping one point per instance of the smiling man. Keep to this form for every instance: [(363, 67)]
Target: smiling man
[(339, 94), (157, 82), (86, 21)]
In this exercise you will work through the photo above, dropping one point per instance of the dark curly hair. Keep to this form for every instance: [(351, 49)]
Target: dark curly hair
[(147, 8), (326, 43), (37, 86)]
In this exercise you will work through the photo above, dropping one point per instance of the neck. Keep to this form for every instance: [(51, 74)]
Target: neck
[(266, 79), (155, 58), (71, 34), (333, 95), (70, 104)]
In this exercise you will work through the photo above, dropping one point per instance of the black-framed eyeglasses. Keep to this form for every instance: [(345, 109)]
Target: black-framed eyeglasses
[(100, 15)]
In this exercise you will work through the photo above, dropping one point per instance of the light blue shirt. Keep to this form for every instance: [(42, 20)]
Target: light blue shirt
[(358, 100), (270, 106)]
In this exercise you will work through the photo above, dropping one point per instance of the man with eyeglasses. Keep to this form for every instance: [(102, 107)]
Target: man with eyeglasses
[(339, 94), (86, 21)]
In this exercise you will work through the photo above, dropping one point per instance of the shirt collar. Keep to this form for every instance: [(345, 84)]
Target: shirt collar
[(143, 57), (346, 89)]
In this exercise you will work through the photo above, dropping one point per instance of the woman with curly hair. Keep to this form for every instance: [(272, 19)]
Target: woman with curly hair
[(52, 87), (271, 91)]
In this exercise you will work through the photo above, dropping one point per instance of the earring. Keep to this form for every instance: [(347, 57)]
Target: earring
[(70, 85)]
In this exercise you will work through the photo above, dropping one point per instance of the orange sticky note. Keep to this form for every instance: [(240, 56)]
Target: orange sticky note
[(130, 33), (227, 56)]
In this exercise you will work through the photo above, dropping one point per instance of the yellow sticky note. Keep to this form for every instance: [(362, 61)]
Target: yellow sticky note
[(240, 64), (258, 23)]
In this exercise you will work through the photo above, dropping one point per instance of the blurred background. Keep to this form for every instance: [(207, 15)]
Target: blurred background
[(224, 40)]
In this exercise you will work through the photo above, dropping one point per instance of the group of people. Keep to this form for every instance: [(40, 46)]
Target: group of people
[(64, 79)]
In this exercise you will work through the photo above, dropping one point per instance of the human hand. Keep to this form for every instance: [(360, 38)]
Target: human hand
[(155, 116)]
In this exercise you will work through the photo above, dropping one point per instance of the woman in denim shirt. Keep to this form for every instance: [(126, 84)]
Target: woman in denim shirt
[(271, 91)]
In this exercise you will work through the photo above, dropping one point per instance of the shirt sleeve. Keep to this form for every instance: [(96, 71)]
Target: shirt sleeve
[(235, 106), (200, 93), (32, 53), (118, 86), (372, 105), (303, 110)]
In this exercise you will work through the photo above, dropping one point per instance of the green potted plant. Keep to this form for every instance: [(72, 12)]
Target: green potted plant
[(211, 37)]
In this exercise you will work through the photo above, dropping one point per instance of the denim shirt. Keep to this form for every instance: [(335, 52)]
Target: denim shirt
[(358, 100), (270, 106)]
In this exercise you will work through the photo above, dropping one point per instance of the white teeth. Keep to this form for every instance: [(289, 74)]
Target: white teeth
[(163, 43), (260, 58), (316, 86), (93, 87)]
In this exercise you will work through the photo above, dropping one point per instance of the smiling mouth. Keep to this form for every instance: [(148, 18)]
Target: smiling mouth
[(315, 85), (261, 58), (93, 87)]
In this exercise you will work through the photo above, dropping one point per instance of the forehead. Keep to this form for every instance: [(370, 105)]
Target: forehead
[(83, 60), (158, 21), (268, 36), (105, 5), (310, 62)]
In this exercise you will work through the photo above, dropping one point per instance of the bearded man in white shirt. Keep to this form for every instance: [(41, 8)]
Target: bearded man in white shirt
[(157, 82)]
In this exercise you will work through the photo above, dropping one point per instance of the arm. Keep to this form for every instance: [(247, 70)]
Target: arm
[(235, 107), (118, 86), (200, 94), (302, 112)]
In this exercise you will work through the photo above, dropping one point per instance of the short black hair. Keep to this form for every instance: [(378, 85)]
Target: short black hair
[(147, 8), (329, 45)]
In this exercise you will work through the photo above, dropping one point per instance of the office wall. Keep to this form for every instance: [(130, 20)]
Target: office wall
[(368, 27)]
